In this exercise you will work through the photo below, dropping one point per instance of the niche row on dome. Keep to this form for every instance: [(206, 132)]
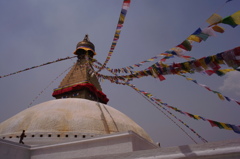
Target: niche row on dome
[(50, 135)]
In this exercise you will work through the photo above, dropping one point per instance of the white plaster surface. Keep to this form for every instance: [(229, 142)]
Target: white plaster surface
[(120, 146), (71, 116), (11, 150), (103, 145)]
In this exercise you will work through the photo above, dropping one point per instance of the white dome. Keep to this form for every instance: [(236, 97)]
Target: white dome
[(71, 116)]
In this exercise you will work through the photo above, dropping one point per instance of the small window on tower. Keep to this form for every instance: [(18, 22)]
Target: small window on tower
[(75, 94)]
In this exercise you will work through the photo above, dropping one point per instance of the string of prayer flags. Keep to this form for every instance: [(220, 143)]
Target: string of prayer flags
[(204, 140), (199, 136), (186, 45), (128, 69), (48, 86), (220, 125), (58, 60), (213, 123), (230, 57), (202, 35), (153, 101), (125, 6), (222, 97), (232, 20)]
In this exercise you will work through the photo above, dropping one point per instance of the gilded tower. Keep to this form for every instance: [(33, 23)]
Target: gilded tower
[(80, 81)]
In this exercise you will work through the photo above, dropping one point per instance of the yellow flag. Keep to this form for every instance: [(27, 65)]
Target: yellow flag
[(225, 126), (236, 17), (194, 38), (197, 117), (187, 66), (189, 79), (220, 96), (150, 60), (203, 63), (118, 31), (214, 19), (226, 70)]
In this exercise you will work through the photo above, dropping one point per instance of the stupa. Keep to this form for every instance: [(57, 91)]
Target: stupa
[(78, 112)]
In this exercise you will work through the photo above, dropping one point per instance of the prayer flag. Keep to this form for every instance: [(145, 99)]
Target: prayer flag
[(237, 102), (218, 29), (186, 45), (219, 125), (161, 77), (236, 129), (219, 73), (225, 126), (194, 38), (220, 96), (209, 72), (209, 31), (200, 34), (197, 117), (230, 21), (212, 123), (203, 36), (179, 51), (214, 19), (236, 17), (198, 31)]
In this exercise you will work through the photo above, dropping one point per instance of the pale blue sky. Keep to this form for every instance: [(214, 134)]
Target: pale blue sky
[(34, 32)]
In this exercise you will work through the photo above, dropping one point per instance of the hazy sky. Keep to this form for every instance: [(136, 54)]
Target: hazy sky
[(33, 32)]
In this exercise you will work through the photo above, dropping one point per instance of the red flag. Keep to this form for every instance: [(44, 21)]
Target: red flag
[(212, 123), (161, 77), (209, 72), (237, 102)]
